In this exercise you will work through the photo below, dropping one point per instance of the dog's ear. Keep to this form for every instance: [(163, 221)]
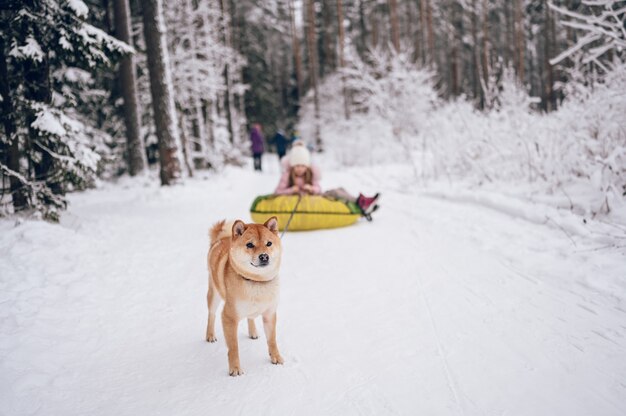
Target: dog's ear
[(272, 225), (238, 228)]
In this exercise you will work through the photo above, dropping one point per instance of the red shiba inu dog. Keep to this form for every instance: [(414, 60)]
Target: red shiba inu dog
[(244, 261)]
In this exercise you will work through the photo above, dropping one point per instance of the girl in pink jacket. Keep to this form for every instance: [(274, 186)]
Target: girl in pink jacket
[(301, 177)]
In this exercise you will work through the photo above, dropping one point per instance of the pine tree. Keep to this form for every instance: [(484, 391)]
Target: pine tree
[(50, 144)]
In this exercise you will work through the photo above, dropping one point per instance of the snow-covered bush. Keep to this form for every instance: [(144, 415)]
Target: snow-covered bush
[(578, 151), (582, 145), (390, 101), (603, 33)]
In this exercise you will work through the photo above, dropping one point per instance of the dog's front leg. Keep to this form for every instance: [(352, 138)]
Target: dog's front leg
[(230, 321), (269, 325)]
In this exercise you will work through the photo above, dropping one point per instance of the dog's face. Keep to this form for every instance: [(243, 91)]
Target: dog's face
[(255, 249)]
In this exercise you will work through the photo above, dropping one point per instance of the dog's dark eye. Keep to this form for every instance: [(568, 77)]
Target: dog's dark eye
[(250, 245), (269, 243)]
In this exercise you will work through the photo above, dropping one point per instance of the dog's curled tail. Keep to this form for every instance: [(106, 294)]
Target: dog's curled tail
[(219, 230)]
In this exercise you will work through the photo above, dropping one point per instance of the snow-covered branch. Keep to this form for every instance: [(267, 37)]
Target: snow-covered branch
[(604, 24)]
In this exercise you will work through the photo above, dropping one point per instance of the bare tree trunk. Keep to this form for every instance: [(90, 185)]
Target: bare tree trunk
[(454, 55), (534, 72), (328, 63), (509, 33), (519, 40), (454, 69), (431, 34), (549, 71), (554, 51), (161, 91), (422, 31), (135, 149), (313, 69), (296, 51), (12, 159), (485, 43), (207, 110), (208, 106), (285, 84), (412, 33), (227, 106), (342, 63), (477, 71), (395, 30), (227, 81), (362, 44), (18, 190), (107, 16), (375, 33), (184, 138), (277, 69), (203, 139), (242, 110)]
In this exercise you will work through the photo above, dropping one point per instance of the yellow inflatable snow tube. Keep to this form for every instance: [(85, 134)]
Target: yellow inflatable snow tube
[(313, 212)]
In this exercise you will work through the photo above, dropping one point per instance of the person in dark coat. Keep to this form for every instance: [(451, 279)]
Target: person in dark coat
[(256, 137), (281, 143)]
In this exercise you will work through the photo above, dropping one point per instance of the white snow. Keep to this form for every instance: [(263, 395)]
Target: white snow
[(77, 75), (66, 44), (79, 139), (48, 123), (434, 308), (79, 7), (95, 37), (31, 50)]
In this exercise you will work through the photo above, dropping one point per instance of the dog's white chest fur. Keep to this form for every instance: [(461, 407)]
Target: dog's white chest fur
[(250, 309), (258, 298)]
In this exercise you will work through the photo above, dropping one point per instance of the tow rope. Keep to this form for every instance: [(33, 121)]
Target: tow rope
[(291, 216)]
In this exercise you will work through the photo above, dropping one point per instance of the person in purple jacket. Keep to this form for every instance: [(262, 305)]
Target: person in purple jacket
[(257, 139)]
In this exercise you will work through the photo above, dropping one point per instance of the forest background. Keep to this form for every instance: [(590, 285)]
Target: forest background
[(520, 93)]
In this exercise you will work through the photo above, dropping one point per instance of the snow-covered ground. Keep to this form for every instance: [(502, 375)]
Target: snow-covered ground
[(446, 304)]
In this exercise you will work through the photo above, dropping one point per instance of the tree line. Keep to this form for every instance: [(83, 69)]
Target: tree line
[(99, 88), (467, 44)]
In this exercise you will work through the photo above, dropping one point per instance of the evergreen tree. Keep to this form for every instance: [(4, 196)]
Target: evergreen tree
[(49, 53)]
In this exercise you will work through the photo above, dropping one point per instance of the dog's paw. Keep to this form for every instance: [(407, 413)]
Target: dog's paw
[(235, 371), (276, 359), (254, 336), (211, 338)]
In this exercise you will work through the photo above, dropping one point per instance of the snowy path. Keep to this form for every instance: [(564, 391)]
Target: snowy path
[(435, 308)]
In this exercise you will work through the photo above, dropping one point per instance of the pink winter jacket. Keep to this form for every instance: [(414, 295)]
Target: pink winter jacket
[(283, 184)]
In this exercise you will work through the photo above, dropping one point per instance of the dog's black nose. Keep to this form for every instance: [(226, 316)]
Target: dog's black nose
[(264, 258)]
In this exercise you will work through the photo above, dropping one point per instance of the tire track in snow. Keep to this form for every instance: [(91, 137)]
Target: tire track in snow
[(450, 380)]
